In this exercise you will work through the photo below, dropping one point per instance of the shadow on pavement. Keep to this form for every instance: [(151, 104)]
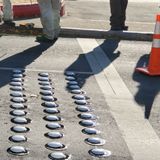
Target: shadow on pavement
[(148, 88), (109, 47), (21, 60)]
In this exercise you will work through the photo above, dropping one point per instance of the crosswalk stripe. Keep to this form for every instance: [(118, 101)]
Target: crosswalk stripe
[(141, 139)]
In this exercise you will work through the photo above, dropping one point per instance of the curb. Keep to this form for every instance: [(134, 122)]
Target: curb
[(82, 33), (103, 34)]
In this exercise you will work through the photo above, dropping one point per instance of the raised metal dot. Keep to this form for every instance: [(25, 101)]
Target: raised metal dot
[(20, 129), (69, 73), (71, 87), (87, 123), (87, 116), (46, 87), (90, 131), (50, 104), (79, 97), (48, 98), (46, 92), (18, 75), (45, 83), (17, 71), (55, 146), (44, 79), (83, 109), (15, 83), (43, 74), (70, 78), (54, 135), (18, 106), (17, 88), (18, 138), (95, 141), (76, 91), (99, 152), (58, 156), (21, 120), (51, 110), (17, 150), (52, 118), (16, 94), (17, 80), (72, 83), (18, 99), (54, 125), (81, 102), (18, 113)]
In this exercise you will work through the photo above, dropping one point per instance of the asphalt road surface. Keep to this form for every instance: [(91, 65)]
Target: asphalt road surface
[(125, 103)]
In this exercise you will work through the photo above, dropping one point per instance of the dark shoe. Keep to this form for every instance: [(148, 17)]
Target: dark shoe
[(125, 28), (9, 23), (116, 28), (43, 38)]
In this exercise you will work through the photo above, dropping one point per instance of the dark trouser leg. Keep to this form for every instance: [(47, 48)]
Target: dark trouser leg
[(116, 12), (124, 4)]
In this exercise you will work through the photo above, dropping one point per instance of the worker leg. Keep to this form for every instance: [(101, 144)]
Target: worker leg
[(115, 7), (48, 19), (7, 10), (124, 4)]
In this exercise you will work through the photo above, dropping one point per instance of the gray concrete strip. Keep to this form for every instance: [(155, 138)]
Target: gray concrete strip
[(85, 33), (96, 33), (141, 139)]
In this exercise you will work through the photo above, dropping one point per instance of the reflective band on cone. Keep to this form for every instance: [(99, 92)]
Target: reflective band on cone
[(157, 28), (156, 43)]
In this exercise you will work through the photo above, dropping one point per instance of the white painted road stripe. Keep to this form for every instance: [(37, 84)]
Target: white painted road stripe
[(141, 139)]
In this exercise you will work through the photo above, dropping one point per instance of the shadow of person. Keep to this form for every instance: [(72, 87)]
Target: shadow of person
[(20, 60), (148, 88), (81, 65)]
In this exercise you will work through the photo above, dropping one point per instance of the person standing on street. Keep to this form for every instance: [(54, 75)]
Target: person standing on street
[(8, 13), (118, 14), (50, 19)]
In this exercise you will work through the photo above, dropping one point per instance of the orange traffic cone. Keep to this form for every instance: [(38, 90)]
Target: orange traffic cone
[(153, 68)]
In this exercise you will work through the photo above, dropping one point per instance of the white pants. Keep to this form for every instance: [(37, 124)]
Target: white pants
[(7, 10), (50, 17)]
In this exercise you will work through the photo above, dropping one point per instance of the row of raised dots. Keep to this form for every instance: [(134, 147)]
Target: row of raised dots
[(88, 119), (51, 108), (18, 99)]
